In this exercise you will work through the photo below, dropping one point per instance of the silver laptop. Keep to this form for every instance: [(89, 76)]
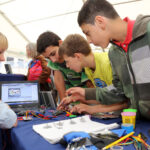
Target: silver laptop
[(20, 95)]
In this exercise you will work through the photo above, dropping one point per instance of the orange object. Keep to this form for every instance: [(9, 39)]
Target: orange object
[(68, 113)]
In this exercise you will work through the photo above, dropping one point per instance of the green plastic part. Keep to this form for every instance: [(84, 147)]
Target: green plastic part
[(129, 110), (72, 116)]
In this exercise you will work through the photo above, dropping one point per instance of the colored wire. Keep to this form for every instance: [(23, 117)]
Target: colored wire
[(125, 142), (128, 143), (39, 117), (141, 140), (128, 140), (136, 141)]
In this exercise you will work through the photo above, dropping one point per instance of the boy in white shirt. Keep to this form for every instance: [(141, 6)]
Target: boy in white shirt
[(8, 118)]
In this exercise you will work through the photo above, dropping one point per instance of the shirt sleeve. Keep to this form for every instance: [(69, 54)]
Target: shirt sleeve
[(53, 66), (84, 77), (7, 116)]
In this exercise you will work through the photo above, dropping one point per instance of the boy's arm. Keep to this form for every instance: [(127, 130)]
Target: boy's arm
[(84, 108), (86, 81), (89, 84), (8, 118), (108, 95), (92, 102), (59, 83)]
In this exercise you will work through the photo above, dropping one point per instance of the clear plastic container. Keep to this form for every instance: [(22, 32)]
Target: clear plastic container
[(116, 148)]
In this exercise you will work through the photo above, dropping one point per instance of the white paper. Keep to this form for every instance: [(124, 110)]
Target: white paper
[(54, 131)]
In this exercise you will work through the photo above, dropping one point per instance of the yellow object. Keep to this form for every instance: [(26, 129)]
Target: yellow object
[(26, 114), (139, 135), (129, 119), (141, 140), (116, 142), (68, 113), (102, 75)]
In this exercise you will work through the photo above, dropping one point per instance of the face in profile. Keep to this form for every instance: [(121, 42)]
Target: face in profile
[(3, 46), (73, 63), (96, 35), (51, 53), (28, 53), (2, 58)]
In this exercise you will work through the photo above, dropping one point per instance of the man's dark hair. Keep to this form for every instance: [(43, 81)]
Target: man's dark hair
[(93, 8), (47, 39), (74, 43)]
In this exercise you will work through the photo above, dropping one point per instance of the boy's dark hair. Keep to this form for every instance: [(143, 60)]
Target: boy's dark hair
[(47, 39), (92, 8), (74, 43)]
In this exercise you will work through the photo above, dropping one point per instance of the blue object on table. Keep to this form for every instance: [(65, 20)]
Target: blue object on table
[(72, 135), (74, 138), (128, 127), (119, 132)]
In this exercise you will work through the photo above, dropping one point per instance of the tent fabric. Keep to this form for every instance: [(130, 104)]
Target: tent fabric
[(22, 21)]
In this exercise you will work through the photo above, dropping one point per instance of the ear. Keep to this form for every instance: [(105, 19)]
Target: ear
[(60, 42), (100, 22), (78, 55)]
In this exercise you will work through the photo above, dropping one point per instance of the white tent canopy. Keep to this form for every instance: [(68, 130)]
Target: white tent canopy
[(22, 21)]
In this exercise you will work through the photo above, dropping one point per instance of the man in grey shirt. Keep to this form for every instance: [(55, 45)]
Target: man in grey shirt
[(8, 118)]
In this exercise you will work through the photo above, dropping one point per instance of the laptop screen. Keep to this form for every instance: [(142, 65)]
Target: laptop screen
[(14, 93)]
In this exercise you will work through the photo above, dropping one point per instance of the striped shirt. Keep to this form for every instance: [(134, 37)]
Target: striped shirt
[(71, 78)]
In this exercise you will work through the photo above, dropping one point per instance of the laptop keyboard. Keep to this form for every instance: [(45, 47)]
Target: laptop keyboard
[(25, 109), (31, 107)]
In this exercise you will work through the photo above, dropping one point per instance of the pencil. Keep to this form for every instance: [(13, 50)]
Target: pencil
[(119, 140), (26, 114)]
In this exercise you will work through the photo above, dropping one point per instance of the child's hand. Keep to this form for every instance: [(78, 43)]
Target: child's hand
[(69, 99), (76, 91), (64, 103), (82, 108)]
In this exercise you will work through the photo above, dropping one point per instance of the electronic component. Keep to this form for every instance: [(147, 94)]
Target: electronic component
[(21, 113), (57, 112), (28, 118), (105, 115)]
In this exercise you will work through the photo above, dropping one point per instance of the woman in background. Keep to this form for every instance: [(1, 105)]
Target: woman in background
[(38, 69)]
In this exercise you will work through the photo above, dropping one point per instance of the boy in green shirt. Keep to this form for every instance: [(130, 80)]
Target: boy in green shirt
[(48, 45)]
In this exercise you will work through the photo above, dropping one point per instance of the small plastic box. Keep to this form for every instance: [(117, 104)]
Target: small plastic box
[(129, 117)]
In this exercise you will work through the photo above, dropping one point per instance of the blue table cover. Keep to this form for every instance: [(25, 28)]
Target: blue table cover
[(24, 138)]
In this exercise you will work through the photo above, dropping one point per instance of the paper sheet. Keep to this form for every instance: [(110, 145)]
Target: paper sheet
[(54, 131)]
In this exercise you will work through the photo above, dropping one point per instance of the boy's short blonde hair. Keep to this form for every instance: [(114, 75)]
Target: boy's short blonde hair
[(32, 50), (3, 42), (74, 43)]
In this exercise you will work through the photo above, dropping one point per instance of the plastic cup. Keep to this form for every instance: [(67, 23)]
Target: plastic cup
[(129, 118), (128, 127), (116, 148)]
